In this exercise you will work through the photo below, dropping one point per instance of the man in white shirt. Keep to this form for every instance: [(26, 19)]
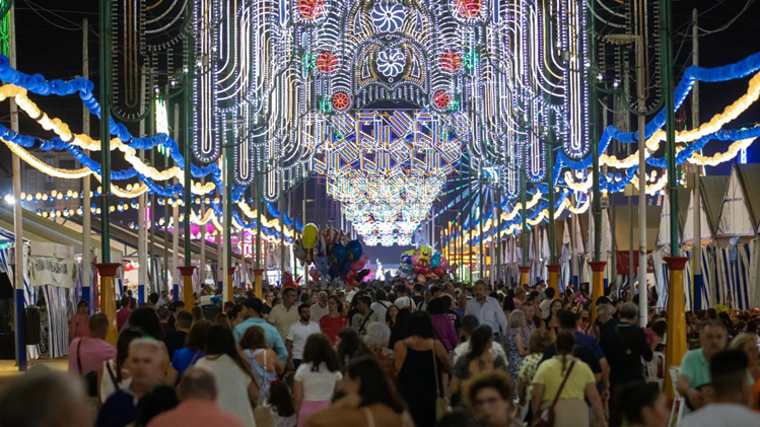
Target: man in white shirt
[(731, 391), (486, 309), (320, 308), (469, 323), (297, 335), (403, 301), (380, 306), (365, 315)]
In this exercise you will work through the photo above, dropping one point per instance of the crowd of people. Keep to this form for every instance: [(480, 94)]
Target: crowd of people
[(387, 354)]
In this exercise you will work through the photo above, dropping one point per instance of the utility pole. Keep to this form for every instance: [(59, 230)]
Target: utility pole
[(524, 214), (189, 107), (86, 213), (696, 242), (142, 276), (18, 222), (641, 92)]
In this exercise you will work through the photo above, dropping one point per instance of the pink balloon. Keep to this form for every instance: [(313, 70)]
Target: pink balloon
[(314, 274), (350, 276), (358, 266), (444, 263), (415, 258)]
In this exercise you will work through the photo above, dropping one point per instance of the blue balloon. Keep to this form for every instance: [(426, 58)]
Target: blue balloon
[(436, 261), (334, 271), (339, 252), (355, 249), (345, 269)]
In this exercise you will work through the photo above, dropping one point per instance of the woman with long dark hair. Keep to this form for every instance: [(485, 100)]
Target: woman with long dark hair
[(349, 345), (146, 320), (479, 360), (237, 386), (420, 359), (112, 375), (368, 402), (398, 331), (195, 343), (334, 320), (317, 378), (579, 382)]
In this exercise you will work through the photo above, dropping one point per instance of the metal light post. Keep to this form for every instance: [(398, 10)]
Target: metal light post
[(105, 129), (641, 95)]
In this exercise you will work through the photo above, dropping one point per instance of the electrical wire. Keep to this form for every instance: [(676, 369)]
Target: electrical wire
[(36, 9)]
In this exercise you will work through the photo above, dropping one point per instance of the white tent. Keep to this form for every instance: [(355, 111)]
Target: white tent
[(735, 243)]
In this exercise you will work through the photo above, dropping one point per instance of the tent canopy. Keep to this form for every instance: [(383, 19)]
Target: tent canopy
[(741, 203), (712, 190), (663, 235)]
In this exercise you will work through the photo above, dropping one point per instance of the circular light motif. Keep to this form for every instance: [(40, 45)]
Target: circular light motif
[(469, 8), (391, 62), (388, 18), (450, 61), (311, 9), (341, 101), (441, 99), (327, 62)]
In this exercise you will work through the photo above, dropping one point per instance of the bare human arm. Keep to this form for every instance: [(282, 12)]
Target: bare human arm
[(297, 395), (521, 350), (596, 404), (253, 391), (443, 356), (536, 397), (399, 352), (279, 367)]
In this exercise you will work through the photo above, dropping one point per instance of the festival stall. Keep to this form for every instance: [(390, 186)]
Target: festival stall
[(662, 247), (627, 224), (735, 242), (712, 189)]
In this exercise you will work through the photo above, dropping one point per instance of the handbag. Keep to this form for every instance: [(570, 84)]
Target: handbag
[(547, 420), (441, 404)]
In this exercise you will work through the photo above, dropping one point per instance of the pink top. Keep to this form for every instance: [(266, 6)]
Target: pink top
[(444, 330), (122, 316), (195, 413), (92, 354), (80, 325)]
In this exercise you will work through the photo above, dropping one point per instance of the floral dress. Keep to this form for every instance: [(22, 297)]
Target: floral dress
[(515, 360)]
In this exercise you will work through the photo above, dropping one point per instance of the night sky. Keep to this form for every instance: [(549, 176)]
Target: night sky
[(49, 42)]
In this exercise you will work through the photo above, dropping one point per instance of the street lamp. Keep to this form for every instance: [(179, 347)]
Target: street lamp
[(623, 39)]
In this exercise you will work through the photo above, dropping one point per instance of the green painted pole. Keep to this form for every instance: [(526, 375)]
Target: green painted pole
[(189, 107), (550, 195), (666, 41), (105, 128)]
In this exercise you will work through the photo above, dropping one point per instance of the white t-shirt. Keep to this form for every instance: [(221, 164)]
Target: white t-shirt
[(350, 295), (381, 308), (318, 312), (722, 414), (298, 333), (232, 387), (317, 386), (404, 301), (463, 348)]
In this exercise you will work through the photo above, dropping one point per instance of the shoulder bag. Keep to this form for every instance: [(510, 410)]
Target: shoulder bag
[(441, 404), (547, 418)]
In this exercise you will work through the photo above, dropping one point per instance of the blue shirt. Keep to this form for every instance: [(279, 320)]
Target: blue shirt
[(490, 313), (274, 340), (119, 410), (183, 359), (591, 343)]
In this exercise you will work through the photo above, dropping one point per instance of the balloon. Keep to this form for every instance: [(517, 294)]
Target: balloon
[(314, 274), (339, 252), (425, 252), (406, 259), (310, 233), (345, 268), (298, 251), (440, 271), (415, 258), (334, 271), (358, 265), (436, 260), (444, 263), (362, 274), (350, 276), (355, 248), (322, 265)]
